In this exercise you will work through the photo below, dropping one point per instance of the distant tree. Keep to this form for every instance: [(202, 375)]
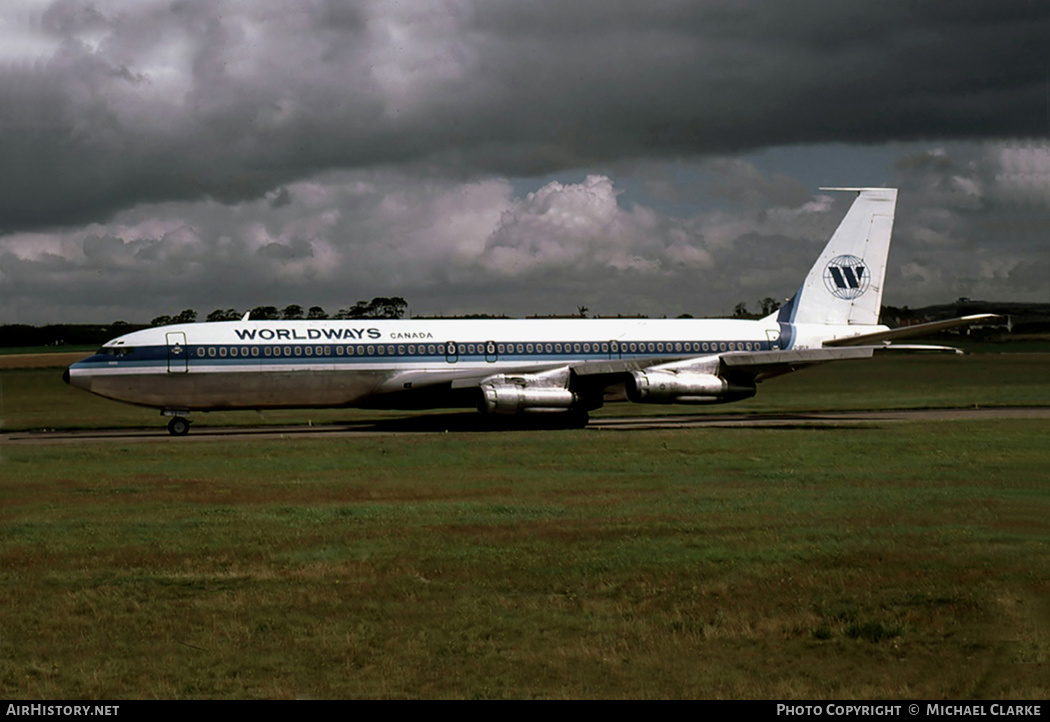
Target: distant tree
[(120, 323), (358, 310), (230, 314), (382, 307), (378, 307), (769, 305), (316, 313), (740, 310), (265, 313), (894, 316), (582, 310), (186, 316), (293, 312)]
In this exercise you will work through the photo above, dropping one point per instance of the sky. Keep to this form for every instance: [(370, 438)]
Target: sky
[(508, 157)]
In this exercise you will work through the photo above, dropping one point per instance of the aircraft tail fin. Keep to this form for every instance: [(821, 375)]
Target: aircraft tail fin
[(844, 286)]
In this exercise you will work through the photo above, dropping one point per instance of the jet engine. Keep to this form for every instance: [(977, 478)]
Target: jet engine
[(524, 394), (684, 387)]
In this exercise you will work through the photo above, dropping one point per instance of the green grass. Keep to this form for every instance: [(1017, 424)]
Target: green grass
[(896, 560)]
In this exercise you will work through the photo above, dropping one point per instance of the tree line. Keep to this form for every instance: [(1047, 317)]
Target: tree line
[(379, 307), (767, 306)]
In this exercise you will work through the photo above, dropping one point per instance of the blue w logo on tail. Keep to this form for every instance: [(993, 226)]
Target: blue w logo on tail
[(846, 277)]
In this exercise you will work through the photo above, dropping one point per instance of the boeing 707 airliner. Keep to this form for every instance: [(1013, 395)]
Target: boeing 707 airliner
[(565, 366)]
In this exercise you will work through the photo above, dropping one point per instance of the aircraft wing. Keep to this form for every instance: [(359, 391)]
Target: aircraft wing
[(743, 365), (754, 365), (766, 364), (705, 379), (907, 331)]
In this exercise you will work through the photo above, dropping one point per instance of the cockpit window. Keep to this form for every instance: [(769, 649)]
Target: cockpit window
[(116, 351)]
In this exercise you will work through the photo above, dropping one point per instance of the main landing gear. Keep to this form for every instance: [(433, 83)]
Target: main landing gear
[(179, 426)]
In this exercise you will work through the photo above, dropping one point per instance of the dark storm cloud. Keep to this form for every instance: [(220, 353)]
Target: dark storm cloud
[(150, 101)]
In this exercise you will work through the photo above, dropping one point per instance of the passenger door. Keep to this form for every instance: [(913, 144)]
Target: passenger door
[(178, 355)]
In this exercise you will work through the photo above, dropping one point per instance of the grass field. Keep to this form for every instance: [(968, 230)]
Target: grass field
[(877, 561)]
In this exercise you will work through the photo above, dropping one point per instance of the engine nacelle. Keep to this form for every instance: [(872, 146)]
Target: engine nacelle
[(516, 395), (668, 387)]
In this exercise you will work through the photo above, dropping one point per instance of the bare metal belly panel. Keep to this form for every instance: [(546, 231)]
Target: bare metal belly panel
[(236, 390)]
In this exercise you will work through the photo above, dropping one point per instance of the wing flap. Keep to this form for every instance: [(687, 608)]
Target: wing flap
[(795, 358)]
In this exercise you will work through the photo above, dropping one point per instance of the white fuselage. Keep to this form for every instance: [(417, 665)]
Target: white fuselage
[(274, 364)]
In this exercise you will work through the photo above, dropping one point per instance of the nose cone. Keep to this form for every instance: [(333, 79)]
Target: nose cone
[(78, 377)]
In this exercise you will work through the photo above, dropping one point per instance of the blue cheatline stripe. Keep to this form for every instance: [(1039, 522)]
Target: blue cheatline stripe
[(279, 353), (786, 314)]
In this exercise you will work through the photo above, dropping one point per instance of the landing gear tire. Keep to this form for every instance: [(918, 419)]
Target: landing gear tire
[(179, 426)]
